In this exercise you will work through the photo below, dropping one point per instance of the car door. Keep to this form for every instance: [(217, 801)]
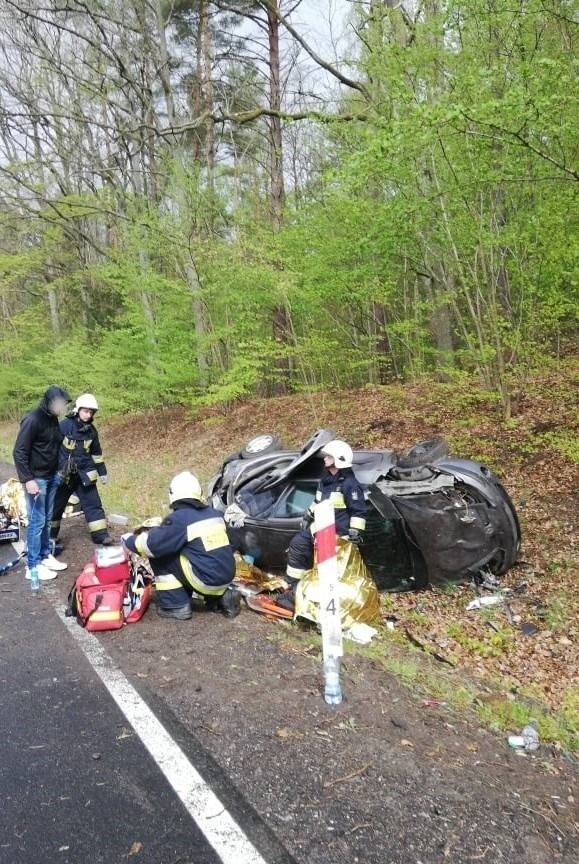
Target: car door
[(266, 537)]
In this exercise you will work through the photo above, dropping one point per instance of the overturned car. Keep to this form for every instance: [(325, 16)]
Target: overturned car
[(431, 518)]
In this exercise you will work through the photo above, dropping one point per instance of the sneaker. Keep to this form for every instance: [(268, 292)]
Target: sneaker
[(50, 563), (44, 574)]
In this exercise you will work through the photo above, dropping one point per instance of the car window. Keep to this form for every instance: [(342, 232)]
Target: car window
[(296, 500)]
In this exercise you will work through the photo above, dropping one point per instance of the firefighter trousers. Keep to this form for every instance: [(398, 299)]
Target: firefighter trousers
[(175, 581), (300, 554), (91, 504)]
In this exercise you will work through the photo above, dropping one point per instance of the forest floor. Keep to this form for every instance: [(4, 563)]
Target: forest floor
[(414, 766)]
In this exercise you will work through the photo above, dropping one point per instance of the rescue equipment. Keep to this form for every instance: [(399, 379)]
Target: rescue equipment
[(110, 591)]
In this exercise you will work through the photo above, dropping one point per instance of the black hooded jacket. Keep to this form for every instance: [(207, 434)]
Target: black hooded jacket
[(38, 442)]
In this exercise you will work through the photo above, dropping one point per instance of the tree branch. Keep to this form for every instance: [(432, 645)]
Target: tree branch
[(343, 79), (250, 116)]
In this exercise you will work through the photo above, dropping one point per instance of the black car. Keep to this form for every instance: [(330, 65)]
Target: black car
[(430, 517)]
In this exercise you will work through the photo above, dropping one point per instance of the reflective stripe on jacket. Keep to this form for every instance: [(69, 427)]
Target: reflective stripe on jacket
[(347, 496), (81, 443), (198, 535)]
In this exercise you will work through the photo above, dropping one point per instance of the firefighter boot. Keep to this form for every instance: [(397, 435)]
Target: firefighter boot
[(181, 613), (287, 600), (228, 603)]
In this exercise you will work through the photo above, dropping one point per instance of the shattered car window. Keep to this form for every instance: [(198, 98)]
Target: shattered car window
[(297, 500)]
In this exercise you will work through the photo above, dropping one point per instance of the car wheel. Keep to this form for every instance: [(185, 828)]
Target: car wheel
[(424, 453), (261, 444)]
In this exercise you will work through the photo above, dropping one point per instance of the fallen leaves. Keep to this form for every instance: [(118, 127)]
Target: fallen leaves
[(540, 660), (285, 733)]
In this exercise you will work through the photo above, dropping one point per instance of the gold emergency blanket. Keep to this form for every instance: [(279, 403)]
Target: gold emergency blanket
[(250, 580), (359, 603), (13, 500)]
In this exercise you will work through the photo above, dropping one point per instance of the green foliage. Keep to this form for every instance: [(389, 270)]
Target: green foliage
[(439, 234)]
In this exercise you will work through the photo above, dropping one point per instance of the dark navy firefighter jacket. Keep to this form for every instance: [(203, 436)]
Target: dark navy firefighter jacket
[(195, 534), (80, 443), (347, 496)]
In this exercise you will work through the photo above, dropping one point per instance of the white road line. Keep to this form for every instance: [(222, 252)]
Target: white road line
[(218, 826)]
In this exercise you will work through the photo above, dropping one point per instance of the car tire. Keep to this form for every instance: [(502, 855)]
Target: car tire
[(261, 444), (423, 454)]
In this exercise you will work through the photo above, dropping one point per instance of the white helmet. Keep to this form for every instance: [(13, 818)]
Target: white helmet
[(87, 401), (340, 452), (185, 485)]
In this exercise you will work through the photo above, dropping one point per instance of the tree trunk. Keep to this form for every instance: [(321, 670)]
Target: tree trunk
[(207, 90), (282, 324), (54, 313), (275, 132), (382, 345)]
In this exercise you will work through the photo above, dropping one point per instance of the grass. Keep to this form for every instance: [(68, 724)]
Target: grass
[(495, 707), (493, 645), (556, 613), (8, 433), (140, 486)]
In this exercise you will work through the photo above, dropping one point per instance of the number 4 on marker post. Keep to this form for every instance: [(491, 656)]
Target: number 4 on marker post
[(327, 562)]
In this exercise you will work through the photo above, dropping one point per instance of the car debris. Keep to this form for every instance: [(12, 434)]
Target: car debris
[(528, 739)]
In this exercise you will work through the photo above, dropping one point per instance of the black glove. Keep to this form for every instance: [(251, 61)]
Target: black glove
[(306, 521), (354, 536)]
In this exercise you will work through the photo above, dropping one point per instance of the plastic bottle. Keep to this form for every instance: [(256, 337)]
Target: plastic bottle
[(332, 687), (34, 579), (530, 736)]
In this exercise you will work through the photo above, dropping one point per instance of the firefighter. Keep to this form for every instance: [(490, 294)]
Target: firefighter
[(81, 464), (337, 484), (189, 552)]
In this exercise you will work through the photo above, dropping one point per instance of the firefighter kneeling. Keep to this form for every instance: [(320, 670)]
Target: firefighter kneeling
[(189, 553)]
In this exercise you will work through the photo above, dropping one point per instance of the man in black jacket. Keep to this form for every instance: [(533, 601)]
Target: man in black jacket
[(36, 459)]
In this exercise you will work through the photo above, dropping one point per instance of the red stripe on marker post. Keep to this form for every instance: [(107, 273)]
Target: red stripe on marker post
[(330, 620)]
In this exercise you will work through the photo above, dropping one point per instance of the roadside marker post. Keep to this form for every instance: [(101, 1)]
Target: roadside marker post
[(330, 620)]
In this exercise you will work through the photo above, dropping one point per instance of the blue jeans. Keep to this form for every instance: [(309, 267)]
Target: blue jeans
[(39, 509)]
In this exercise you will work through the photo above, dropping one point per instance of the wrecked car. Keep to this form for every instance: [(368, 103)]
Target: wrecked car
[(431, 518)]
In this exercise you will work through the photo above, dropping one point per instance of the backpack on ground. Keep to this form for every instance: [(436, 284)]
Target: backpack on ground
[(97, 606), (109, 593)]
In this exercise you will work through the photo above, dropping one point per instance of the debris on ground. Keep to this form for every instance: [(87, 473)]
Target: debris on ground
[(528, 739)]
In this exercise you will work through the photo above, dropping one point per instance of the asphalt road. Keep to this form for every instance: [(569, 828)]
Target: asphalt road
[(76, 783)]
